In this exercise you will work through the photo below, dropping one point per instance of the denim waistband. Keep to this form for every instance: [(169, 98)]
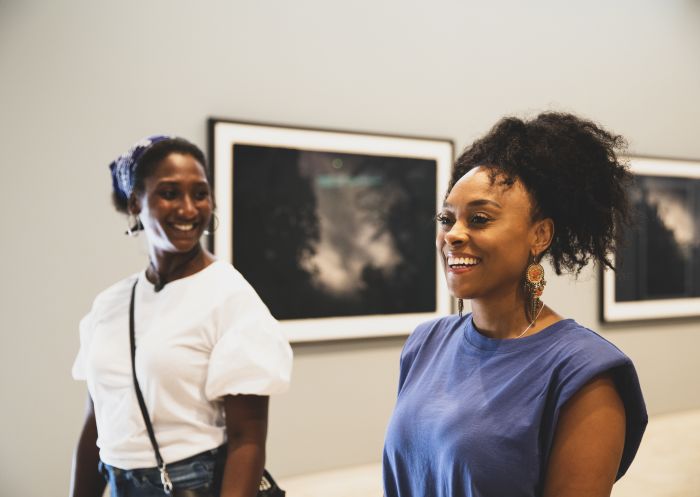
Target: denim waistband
[(191, 472), (207, 455)]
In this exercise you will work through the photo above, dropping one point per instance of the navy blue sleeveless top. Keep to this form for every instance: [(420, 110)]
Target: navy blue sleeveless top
[(476, 417)]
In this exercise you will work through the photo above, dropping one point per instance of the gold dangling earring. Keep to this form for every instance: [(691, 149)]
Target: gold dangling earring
[(534, 284), (460, 307)]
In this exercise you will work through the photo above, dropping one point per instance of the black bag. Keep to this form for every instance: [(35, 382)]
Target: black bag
[(268, 487)]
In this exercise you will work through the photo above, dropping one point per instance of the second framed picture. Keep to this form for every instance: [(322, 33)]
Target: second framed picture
[(335, 230), (658, 268)]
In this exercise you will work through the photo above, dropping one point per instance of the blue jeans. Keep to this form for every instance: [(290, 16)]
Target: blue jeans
[(199, 472)]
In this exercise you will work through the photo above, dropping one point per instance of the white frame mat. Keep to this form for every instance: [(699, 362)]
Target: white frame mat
[(614, 311), (223, 134)]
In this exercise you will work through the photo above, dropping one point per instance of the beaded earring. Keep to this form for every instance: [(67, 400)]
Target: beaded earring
[(534, 285)]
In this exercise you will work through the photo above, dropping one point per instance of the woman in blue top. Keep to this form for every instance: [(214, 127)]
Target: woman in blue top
[(513, 400)]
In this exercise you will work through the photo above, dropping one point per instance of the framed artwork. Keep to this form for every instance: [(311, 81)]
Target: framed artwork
[(658, 267), (334, 230)]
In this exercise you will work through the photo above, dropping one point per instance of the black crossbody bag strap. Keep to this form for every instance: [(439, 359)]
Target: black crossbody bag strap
[(268, 487), (164, 477)]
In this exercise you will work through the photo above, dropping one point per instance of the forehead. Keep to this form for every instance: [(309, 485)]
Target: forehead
[(481, 184), (177, 167)]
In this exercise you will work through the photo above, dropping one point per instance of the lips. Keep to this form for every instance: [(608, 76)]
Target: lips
[(462, 262), (183, 227)]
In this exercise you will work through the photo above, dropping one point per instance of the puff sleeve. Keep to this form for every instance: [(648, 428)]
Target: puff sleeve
[(252, 355)]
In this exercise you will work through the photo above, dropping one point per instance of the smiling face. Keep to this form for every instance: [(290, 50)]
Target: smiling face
[(486, 236), (175, 205)]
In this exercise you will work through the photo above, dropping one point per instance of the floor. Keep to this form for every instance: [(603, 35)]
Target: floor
[(668, 461)]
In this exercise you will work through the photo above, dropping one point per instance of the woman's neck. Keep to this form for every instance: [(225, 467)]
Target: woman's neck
[(165, 267), (507, 318)]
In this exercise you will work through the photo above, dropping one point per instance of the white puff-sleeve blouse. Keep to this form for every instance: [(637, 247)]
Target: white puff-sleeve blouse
[(200, 338)]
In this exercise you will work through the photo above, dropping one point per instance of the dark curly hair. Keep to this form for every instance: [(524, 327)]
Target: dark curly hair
[(570, 167), (150, 159)]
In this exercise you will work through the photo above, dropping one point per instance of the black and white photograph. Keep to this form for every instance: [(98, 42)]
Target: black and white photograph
[(331, 226), (658, 267)]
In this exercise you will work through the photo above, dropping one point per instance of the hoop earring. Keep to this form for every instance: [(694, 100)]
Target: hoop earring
[(534, 286), (460, 307), (215, 222), (133, 225)]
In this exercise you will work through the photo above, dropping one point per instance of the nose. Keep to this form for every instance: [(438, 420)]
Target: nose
[(188, 207), (458, 235)]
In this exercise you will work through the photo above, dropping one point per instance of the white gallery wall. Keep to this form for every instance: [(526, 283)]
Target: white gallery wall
[(81, 80)]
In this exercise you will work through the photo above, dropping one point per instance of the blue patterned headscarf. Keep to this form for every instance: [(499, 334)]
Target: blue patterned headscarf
[(124, 166)]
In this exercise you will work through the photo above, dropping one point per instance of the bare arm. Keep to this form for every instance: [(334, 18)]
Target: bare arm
[(246, 428), (588, 442), (86, 480)]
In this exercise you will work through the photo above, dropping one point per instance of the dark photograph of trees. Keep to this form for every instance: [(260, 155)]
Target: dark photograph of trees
[(661, 256), (326, 234)]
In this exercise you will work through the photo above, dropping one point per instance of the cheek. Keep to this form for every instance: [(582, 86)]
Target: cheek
[(507, 248), (153, 206), (513, 258), (151, 213), (440, 245), (207, 211)]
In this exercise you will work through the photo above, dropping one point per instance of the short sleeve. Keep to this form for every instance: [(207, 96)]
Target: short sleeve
[(598, 358), (412, 346), (252, 355), (79, 370)]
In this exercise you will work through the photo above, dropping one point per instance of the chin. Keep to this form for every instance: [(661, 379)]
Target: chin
[(181, 247), (463, 293)]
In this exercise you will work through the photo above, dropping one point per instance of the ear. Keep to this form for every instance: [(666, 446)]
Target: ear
[(542, 232), (134, 205)]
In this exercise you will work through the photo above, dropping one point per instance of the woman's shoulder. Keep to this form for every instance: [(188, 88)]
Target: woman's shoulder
[(434, 330), (218, 286), (110, 302), (438, 326), (117, 292), (582, 344), (222, 277), (580, 354)]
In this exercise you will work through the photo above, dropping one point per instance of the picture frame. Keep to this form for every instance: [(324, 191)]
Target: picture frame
[(335, 230), (658, 266)]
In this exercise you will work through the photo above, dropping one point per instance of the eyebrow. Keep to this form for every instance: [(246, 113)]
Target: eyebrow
[(171, 182), (477, 203)]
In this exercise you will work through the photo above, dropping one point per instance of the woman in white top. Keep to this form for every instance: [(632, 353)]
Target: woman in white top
[(208, 352)]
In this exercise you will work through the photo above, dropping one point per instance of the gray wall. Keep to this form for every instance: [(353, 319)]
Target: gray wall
[(82, 80)]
